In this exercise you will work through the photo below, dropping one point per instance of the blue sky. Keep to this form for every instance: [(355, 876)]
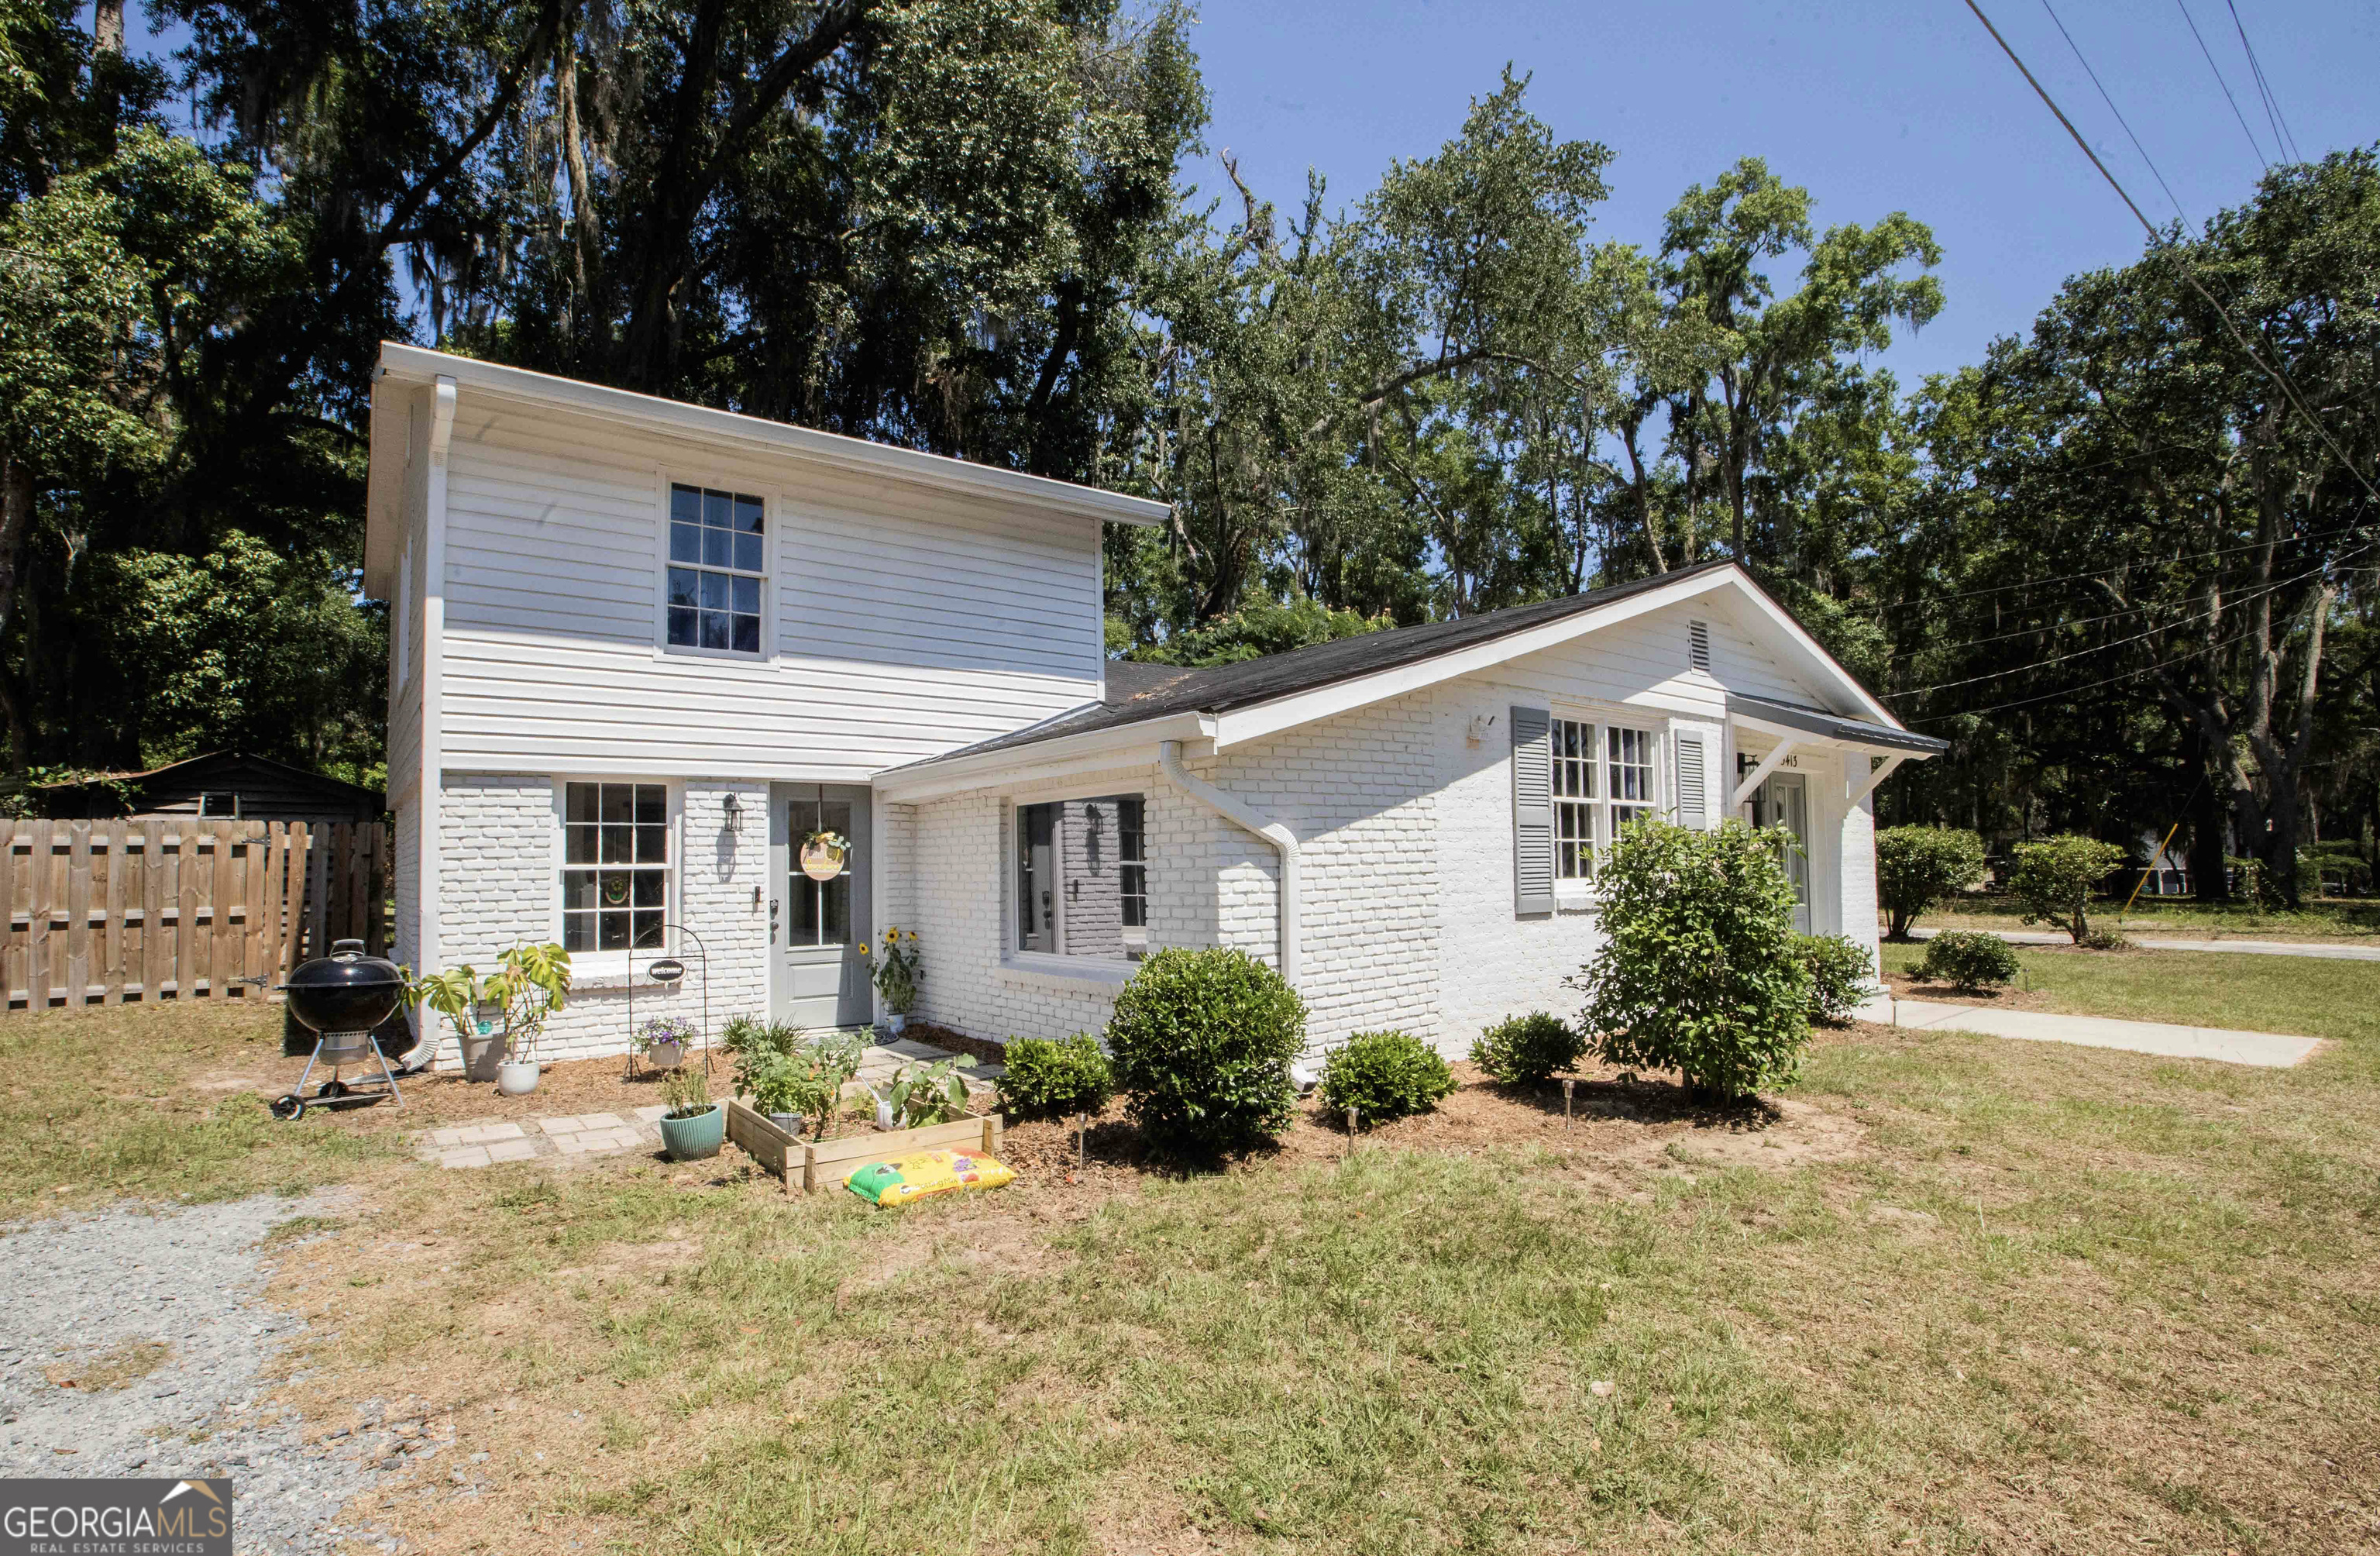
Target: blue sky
[(1874, 105)]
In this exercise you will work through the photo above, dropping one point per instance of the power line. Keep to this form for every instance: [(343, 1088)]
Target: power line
[(2117, 111), (2063, 691), (2252, 144), (2157, 241), (2110, 572), (2281, 133), (2160, 630)]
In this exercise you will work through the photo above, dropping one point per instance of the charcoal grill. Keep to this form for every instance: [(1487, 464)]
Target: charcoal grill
[(342, 997)]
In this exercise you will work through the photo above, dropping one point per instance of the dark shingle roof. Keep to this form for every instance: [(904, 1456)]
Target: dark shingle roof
[(1137, 692), (1152, 691)]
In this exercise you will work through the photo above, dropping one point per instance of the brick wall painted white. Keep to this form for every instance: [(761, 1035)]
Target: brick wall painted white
[(1492, 962), (497, 858)]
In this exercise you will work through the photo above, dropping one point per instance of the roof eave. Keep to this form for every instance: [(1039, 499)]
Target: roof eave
[(1115, 746), (414, 364)]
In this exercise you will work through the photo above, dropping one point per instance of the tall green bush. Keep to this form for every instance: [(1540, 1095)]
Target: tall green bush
[(1701, 974), (1201, 1042), (1918, 866), (2054, 879)]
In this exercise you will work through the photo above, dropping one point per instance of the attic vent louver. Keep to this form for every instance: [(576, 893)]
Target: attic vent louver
[(1698, 644)]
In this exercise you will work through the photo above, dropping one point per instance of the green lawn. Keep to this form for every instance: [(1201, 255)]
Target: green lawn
[(2055, 1300), (2327, 919), (2305, 995)]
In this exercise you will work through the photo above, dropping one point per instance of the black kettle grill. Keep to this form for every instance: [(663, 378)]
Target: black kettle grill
[(342, 997)]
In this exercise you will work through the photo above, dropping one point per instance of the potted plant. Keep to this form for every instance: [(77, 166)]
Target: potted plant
[(784, 1085), (534, 982), (925, 1094), (661, 1042), (895, 971), (460, 996), (695, 1125)]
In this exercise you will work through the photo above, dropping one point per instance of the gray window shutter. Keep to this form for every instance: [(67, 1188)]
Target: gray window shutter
[(1533, 810), (1694, 806)]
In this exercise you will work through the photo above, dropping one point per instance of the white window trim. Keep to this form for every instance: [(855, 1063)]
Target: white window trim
[(1581, 891), (1104, 971), (585, 966), (772, 508)]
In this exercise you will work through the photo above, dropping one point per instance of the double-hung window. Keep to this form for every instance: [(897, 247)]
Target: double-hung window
[(1603, 779), (614, 867), (718, 567)]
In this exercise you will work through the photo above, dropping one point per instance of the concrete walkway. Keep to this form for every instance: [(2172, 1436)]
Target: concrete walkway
[(2328, 950), (2266, 1049)]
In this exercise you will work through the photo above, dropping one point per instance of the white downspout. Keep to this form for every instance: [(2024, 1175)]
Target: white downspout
[(1234, 810), (430, 899)]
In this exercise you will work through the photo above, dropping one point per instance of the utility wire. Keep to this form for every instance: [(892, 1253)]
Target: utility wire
[(2281, 133), (2252, 143), (2063, 691), (2158, 240), (2117, 111), (2109, 572), (2158, 631)]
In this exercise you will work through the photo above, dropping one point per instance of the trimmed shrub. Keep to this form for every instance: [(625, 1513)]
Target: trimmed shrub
[(1700, 974), (1200, 1043), (1840, 974), (1918, 866), (1056, 1078), (1527, 1049), (2055, 877), (1968, 958), (1384, 1076)]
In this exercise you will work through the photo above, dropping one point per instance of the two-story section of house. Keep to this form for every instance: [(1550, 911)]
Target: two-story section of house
[(669, 682), (637, 647)]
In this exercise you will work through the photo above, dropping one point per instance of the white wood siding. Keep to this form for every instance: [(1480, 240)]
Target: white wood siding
[(903, 621)]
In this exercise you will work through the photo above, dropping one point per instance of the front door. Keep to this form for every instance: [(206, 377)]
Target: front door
[(819, 977), (1784, 800)]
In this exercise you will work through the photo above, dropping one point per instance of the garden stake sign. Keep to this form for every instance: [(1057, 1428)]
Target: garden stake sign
[(1568, 1087), (1082, 1140)]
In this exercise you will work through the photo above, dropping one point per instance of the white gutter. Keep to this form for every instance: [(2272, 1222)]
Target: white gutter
[(1118, 746), (1285, 842), (648, 413)]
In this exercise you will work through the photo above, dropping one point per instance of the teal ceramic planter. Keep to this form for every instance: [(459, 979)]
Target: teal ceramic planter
[(688, 1139)]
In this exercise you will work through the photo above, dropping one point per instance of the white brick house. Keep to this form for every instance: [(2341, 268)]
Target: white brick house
[(641, 651)]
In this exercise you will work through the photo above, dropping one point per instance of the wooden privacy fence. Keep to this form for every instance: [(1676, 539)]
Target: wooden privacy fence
[(170, 908)]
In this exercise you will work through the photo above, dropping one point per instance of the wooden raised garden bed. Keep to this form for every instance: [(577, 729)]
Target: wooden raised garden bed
[(823, 1164)]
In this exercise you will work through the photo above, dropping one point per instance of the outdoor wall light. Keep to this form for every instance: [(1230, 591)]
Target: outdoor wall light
[(734, 812)]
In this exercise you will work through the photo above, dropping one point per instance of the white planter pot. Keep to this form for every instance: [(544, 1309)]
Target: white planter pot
[(517, 1077), (896, 1023), (665, 1057)]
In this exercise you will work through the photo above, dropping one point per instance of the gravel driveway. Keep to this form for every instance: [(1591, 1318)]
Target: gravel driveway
[(86, 1292)]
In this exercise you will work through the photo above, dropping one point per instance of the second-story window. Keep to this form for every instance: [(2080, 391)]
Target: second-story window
[(719, 561)]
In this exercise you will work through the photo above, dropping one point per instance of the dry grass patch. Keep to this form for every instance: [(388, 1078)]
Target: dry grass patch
[(1994, 1296), (112, 1369)]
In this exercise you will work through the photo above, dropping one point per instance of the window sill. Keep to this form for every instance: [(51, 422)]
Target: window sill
[(1071, 975), (1577, 899)]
